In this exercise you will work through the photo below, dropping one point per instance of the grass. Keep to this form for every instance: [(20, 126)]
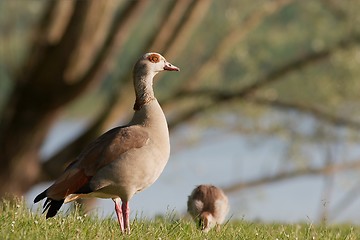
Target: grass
[(19, 222)]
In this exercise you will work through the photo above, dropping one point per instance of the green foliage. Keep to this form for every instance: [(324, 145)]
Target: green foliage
[(299, 28), (19, 222)]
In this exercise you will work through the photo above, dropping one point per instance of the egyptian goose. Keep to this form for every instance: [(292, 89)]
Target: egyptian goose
[(124, 160), (208, 205)]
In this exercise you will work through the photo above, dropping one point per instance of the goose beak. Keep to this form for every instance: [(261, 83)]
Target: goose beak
[(169, 67)]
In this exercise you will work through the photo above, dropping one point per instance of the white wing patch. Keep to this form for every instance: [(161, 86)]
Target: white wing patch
[(199, 205), (221, 209)]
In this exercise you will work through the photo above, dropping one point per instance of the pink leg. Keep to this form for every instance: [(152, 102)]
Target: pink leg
[(126, 212), (119, 213)]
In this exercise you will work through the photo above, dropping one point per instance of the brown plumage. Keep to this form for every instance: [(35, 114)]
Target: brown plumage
[(124, 160), (208, 206)]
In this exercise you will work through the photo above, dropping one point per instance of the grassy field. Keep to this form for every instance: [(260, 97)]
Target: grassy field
[(18, 222)]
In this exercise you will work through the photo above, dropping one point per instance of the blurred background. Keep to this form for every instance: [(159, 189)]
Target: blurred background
[(266, 105)]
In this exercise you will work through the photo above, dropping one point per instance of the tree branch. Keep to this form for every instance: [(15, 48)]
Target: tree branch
[(171, 18), (52, 167), (311, 110), (218, 97), (191, 19), (220, 52), (117, 34), (325, 170)]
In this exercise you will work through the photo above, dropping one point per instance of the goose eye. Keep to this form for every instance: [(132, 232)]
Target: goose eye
[(154, 58)]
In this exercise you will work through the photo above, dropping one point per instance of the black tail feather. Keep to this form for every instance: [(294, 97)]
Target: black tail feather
[(40, 197), (46, 205), (54, 206), (51, 205)]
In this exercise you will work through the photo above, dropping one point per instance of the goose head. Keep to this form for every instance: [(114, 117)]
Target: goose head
[(151, 64)]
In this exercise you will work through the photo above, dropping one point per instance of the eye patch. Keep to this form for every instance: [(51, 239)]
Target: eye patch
[(154, 58)]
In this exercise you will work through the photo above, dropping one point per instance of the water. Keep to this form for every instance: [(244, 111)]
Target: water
[(222, 159)]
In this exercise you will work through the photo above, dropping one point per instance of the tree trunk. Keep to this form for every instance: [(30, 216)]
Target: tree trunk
[(49, 80)]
